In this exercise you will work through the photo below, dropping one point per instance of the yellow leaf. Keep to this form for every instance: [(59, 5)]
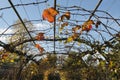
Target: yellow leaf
[(102, 63), (11, 60), (3, 60), (111, 64), (70, 39)]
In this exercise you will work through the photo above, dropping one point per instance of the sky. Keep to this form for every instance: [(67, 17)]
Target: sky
[(34, 12), (112, 7)]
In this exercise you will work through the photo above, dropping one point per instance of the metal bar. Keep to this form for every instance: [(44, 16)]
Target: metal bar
[(27, 4), (100, 1), (54, 26), (21, 20)]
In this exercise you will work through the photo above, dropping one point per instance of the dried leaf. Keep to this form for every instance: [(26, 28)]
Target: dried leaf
[(60, 29), (40, 36), (87, 26), (76, 28), (64, 16), (90, 22), (64, 24), (75, 35), (41, 49), (97, 24), (67, 15)]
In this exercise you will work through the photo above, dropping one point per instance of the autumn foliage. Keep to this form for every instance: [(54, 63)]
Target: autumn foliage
[(41, 49), (66, 15), (40, 36), (49, 14), (87, 26)]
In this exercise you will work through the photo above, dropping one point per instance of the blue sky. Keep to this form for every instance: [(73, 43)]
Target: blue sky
[(35, 12), (112, 6)]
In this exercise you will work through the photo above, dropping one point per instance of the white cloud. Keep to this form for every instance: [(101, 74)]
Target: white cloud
[(42, 26), (38, 26), (3, 38), (9, 31)]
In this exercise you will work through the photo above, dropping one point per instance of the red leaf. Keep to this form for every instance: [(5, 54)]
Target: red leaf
[(89, 27)]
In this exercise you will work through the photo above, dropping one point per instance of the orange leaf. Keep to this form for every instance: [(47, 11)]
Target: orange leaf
[(37, 45), (87, 28), (45, 14), (40, 36), (49, 14), (41, 49), (52, 11), (50, 19)]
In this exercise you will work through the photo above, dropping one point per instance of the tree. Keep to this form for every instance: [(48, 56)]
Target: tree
[(76, 33)]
